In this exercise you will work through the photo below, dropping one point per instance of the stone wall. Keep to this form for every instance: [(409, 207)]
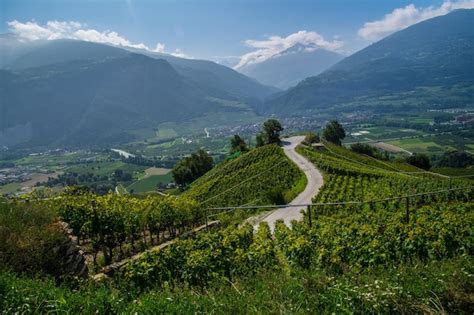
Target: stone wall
[(74, 259)]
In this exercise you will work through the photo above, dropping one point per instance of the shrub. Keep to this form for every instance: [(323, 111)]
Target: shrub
[(311, 138), (29, 234), (419, 160)]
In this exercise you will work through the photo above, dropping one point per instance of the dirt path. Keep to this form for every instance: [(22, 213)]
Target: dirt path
[(315, 181)]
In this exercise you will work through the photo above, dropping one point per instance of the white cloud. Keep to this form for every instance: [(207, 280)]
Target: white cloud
[(274, 45), (74, 30), (159, 48), (179, 53), (401, 18)]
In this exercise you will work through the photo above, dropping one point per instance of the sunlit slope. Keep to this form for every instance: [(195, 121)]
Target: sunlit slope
[(350, 176), (263, 176)]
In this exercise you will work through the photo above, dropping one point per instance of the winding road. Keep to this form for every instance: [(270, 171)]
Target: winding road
[(315, 181)]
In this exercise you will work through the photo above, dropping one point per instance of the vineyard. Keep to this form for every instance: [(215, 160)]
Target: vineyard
[(367, 261), (349, 176), (119, 226), (262, 176), (359, 236), (363, 258), (335, 242), (104, 224)]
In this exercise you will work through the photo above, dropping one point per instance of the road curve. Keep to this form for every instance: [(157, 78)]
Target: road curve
[(315, 181)]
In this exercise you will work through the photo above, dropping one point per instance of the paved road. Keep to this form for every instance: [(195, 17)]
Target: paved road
[(315, 181)]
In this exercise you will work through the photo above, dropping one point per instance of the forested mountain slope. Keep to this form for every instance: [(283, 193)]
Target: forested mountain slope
[(65, 92), (87, 102), (425, 61)]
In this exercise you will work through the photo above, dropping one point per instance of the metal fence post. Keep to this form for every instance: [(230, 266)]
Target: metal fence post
[(407, 211), (309, 216)]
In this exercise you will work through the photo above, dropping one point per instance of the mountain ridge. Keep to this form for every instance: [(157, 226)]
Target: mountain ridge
[(288, 67), (101, 93), (434, 53)]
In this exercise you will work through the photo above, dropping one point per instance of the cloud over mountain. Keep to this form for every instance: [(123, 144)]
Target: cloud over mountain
[(401, 18), (74, 30), (273, 45)]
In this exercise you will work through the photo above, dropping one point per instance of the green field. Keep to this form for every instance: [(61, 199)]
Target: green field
[(53, 162), (435, 144), (380, 133), (237, 115), (166, 133), (178, 147), (150, 183), (106, 168), (10, 188)]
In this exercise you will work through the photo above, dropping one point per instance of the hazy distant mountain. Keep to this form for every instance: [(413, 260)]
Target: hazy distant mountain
[(20, 55), (215, 76), (83, 102), (292, 65), (431, 62), (81, 93)]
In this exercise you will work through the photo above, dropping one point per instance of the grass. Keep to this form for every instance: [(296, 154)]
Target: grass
[(53, 162), (10, 188), (106, 168), (417, 145), (436, 144), (157, 171), (451, 171), (440, 143), (294, 191), (165, 133), (150, 183), (418, 287)]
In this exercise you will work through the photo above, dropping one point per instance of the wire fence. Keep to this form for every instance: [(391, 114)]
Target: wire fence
[(313, 209)]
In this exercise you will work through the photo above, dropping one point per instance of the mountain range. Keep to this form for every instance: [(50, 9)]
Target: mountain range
[(68, 92), (431, 63), (289, 67), (65, 92)]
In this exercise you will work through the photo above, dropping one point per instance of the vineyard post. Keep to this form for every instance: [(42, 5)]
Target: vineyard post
[(407, 211), (207, 227), (309, 216)]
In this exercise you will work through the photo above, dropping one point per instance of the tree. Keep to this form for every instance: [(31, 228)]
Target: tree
[(270, 133), (456, 159), (334, 132), (120, 175), (260, 141), (419, 160), (192, 167), (311, 138), (238, 145), (363, 148)]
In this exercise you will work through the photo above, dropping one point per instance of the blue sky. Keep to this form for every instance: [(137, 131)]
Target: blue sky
[(217, 29)]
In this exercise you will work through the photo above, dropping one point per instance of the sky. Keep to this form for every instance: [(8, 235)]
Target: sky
[(236, 33)]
